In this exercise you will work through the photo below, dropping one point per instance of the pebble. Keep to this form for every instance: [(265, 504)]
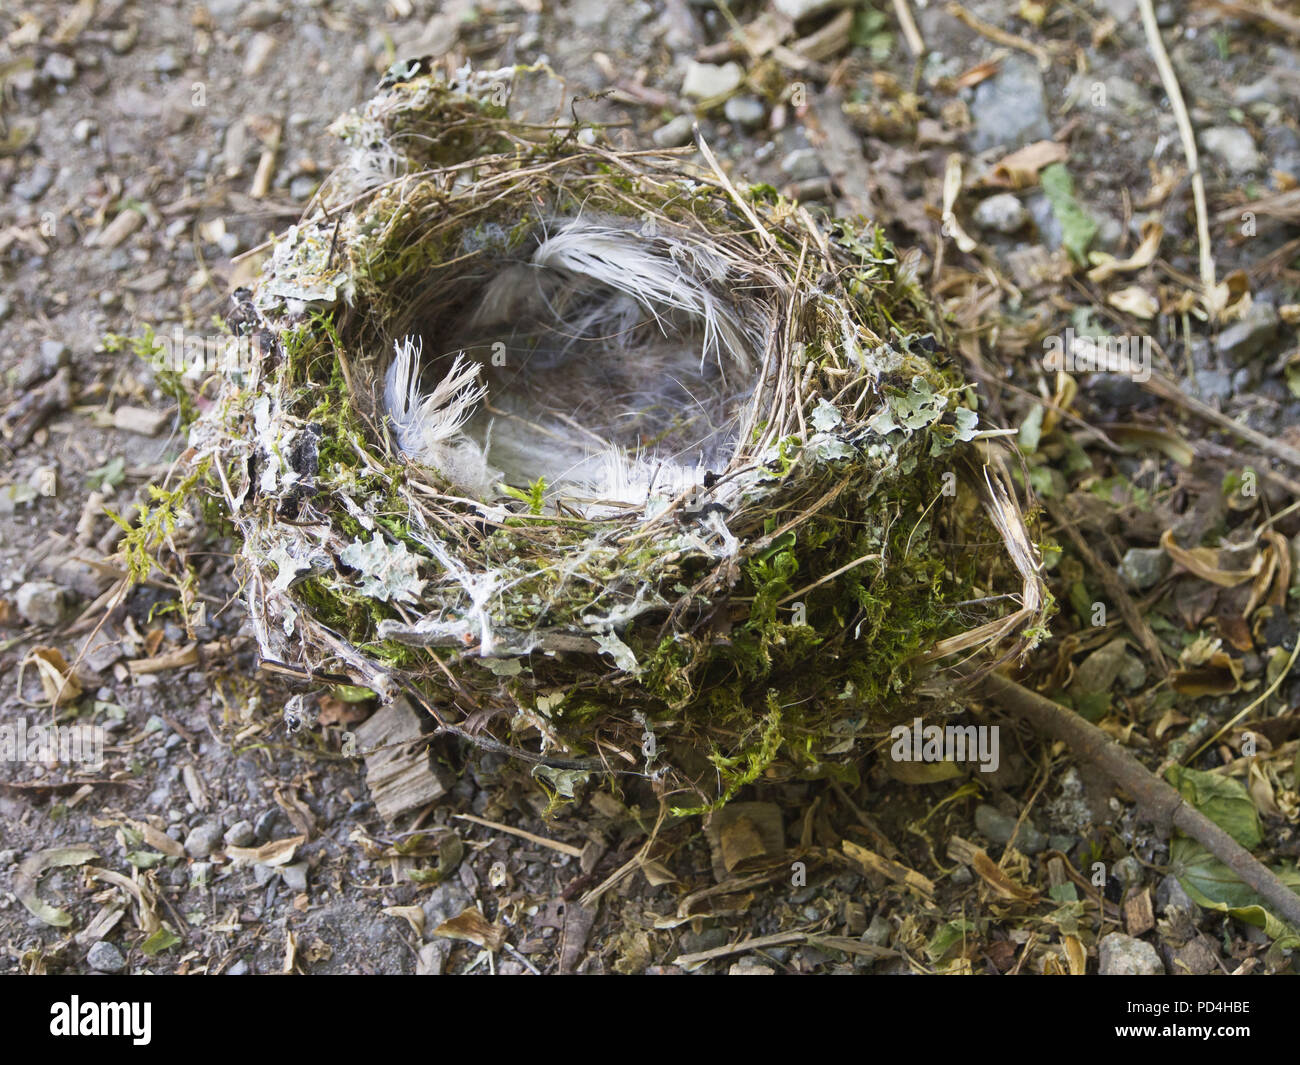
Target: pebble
[(999, 827), (84, 130), (203, 839), (237, 968), (1170, 895), (800, 9), (42, 363), (1122, 955), (1003, 213), (165, 62), (1232, 146), (675, 133), (265, 823), (35, 184), (802, 164), (1010, 108), (104, 957), (1143, 567), (241, 834), (747, 112), (705, 81), (301, 187), (41, 602), (1250, 334), (295, 876), (60, 68), (1128, 870)]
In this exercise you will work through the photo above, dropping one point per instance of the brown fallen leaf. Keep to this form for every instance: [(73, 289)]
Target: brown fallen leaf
[(277, 852), (1204, 563), (57, 679), (472, 927), (1020, 169), (992, 875)]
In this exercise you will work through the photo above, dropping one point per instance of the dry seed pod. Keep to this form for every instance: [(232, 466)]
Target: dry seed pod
[(630, 469)]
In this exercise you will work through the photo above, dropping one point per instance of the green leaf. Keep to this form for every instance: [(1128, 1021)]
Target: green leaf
[(163, 939), (1210, 883), (1222, 799), (110, 475), (1077, 228)]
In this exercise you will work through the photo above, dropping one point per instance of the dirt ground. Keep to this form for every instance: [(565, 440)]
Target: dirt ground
[(146, 147)]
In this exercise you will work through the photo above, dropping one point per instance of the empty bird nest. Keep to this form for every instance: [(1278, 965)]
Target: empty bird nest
[(603, 460)]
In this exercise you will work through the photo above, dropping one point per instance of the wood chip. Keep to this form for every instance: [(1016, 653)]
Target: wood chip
[(400, 773)]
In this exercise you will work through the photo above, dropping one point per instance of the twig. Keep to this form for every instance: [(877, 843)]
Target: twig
[(1170, 81), (1167, 390), (1157, 801), (555, 845), (993, 33), (907, 24)]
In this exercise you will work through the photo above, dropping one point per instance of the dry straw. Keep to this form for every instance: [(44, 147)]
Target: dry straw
[(605, 461)]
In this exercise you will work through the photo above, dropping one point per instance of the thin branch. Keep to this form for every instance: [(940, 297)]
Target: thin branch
[(1157, 801)]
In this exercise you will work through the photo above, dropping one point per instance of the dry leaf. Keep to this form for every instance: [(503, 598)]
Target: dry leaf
[(277, 852), (1204, 563), (473, 927), (29, 874), (1020, 169)]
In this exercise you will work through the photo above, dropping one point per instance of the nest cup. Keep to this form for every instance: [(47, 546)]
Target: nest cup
[(606, 462)]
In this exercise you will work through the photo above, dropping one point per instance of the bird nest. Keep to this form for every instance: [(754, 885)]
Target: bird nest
[(603, 460)]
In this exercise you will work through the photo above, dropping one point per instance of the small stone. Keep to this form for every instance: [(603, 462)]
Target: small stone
[(999, 828), (203, 839), (1250, 335), (104, 957), (40, 364), (166, 62), (265, 823), (263, 874), (1193, 958), (802, 164), (259, 51), (60, 68), (237, 968), (879, 932), (1234, 147), (84, 130), (35, 184), (41, 603), (675, 133), (295, 876), (705, 81), (1010, 108), (747, 112), (301, 187), (1128, 870), (1122, 955), (241, 834), (800, 9), (1143, 567), (1210, 385), (1171, 896), (1003, 213)]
